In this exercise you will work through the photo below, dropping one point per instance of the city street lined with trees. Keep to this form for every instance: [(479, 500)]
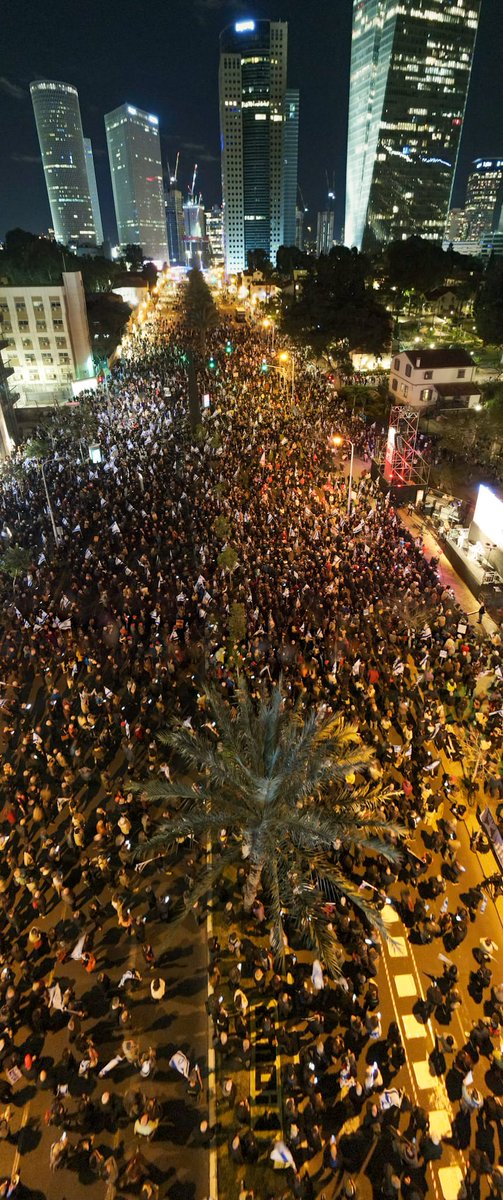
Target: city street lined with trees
[(233, 709)]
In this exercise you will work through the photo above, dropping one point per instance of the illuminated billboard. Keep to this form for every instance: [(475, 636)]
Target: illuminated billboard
[(488, 515)]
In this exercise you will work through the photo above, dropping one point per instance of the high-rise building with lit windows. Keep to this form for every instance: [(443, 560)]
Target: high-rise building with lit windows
[(259, 134), (410, 70), (134, 152), (59, 128), (93, 190), (484, 194)]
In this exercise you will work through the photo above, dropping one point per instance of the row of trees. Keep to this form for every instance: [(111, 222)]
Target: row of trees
[(28, 259)]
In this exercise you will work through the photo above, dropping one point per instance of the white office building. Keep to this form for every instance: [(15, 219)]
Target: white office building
[(46, 342)]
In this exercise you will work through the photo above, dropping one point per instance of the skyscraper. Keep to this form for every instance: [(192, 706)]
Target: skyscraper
[(410, 70), (290, 164), (259, 132), (134, 152), (325, 232), (93, 190), (173, 201), (484, 194), (59, 128)]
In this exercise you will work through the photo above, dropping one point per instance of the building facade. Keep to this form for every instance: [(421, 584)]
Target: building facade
[(290, 164), (325, 232), (456, 225), (59, 129), (215, 231), (173, 201), (134, 152), (484, 194), (45, 339), (93, 190), (195, 238), (440, 378), (410, 70), (259, 134)]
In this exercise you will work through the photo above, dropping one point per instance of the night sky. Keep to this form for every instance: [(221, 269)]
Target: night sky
[(162, 55)]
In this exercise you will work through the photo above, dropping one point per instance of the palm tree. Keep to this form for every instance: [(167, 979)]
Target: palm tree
[(281, 785), (201, 312)]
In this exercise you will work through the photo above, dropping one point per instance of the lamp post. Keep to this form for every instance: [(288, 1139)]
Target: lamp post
[(268, 324), (49, 505), (285, 357), (338, 440)]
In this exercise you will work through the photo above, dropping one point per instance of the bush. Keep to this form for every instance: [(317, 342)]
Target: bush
[(228, 558), (237, 622), (222, 527)]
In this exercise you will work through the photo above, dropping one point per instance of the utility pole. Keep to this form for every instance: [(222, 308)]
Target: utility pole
[(49, 505)]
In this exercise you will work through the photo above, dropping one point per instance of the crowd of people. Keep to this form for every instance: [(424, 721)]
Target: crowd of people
[(114, 630)]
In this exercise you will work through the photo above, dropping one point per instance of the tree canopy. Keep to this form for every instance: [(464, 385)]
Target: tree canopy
[(488, 306), (28, 258), (199, 306), (336, 306), (284, 789)]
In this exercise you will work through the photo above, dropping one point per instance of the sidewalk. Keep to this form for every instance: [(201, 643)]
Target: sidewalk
[(447, 574), (432, 549)]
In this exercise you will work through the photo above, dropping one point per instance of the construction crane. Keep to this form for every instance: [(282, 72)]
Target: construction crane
[(173, 178), (191, 189)]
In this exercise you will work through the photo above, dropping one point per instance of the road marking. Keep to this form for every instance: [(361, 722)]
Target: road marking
[(413, 1027), (24, 1120), (405, 985)]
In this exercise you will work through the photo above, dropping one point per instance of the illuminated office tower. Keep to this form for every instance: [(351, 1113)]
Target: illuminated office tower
[(484, 194), (134, 152), (93, 190), (259, 132), (410, 70), (59, 128), (325, 232)]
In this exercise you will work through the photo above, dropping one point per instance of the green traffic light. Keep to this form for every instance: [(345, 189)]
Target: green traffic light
[(211, 364), (264, 366), (228, 348)]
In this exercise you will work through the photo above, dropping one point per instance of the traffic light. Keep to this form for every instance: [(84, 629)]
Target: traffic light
[(264, 366), (212, 364), (228, 347)]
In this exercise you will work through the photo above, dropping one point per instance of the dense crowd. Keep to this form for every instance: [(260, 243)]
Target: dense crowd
[(111, 633)]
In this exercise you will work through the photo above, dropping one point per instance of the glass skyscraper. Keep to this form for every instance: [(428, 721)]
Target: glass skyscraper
[(93, 190), (59, 128), (484, 194), (134, 152), (259, 133), (410, 70)]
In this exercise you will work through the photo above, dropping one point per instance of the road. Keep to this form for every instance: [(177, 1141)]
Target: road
[(177, 1159)]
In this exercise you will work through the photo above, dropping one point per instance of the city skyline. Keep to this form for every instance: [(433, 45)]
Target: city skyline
[(319, 52)]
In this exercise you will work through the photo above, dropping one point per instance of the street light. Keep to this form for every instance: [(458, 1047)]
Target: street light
[(285, 357), (337, 441), (268, 324)]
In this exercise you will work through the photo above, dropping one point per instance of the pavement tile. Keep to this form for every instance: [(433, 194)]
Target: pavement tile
[(440, 1122), (413, 1027), (389, 915), (450, 1180), (398, 948), (405, 985), (424, 1077)]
